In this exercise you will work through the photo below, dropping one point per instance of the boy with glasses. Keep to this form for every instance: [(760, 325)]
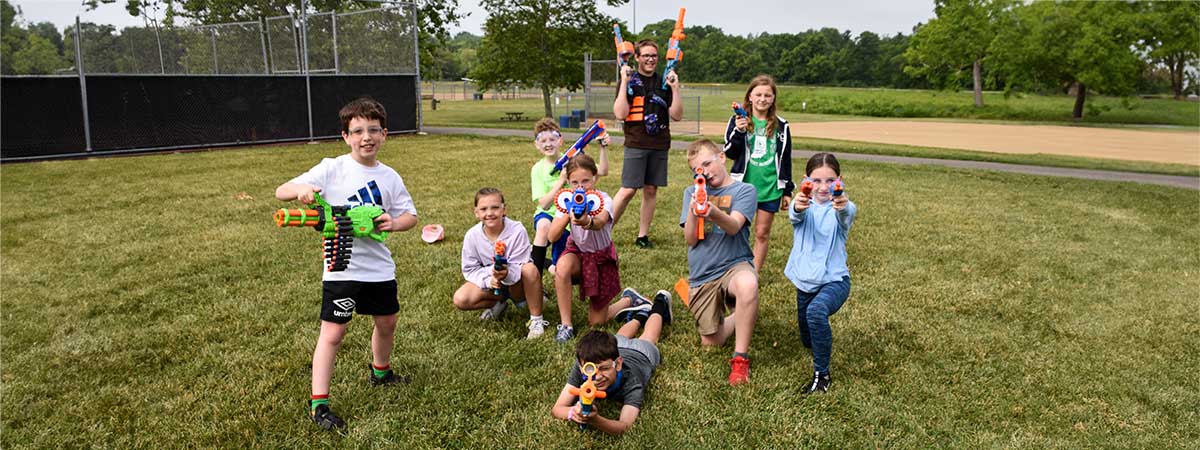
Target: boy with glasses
[(720, 274), (368, 284), (646, 110), (623, 366)]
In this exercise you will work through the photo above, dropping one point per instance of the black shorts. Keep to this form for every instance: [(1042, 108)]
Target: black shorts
[(340, 299)]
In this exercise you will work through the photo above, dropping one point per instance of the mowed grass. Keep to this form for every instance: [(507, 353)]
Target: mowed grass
[(151, 302)]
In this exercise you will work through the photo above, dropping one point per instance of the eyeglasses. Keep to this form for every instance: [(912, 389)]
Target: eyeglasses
[(648, 56), (374, 131), (705, 164)]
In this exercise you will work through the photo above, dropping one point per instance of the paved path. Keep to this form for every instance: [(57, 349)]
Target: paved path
[(1107, 175)]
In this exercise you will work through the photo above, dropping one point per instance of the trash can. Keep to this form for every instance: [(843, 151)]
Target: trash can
[(477, 96), (574, 121), (564, 121), (579, 115)]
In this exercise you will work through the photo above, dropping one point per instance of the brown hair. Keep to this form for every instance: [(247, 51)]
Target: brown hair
[(637, 49), (772, 120), (820, 160), (582, 161), (596, 346), (484, 192), (546, 124), (694, 148), (364, 108)]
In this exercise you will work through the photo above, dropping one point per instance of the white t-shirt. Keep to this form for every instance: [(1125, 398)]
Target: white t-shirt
[(343, 181)]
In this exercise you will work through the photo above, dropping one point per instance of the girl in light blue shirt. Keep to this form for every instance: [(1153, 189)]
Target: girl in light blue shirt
[(821, 216)]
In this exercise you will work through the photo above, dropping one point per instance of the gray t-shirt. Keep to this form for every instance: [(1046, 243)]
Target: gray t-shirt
[(711, 257), (635, 377)]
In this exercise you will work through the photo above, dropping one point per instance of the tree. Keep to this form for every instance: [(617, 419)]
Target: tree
[(959, 37), (1173, 40), (1076, 45), (37, 58), (539, 43)]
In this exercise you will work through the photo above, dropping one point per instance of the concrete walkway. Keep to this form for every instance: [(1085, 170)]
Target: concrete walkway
[(1106, 175)]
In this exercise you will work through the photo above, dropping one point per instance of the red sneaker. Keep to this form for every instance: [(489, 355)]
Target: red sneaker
[(739, 370)]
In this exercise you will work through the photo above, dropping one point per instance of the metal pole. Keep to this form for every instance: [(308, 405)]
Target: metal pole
[(417, 61), (213, 32), (263, 41), (697, 113), (271, 60), (304, 63), (336, 66), (87, 131), (161, 65), (587, 85)]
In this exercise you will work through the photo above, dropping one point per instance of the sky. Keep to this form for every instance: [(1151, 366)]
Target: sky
[(884, 17)]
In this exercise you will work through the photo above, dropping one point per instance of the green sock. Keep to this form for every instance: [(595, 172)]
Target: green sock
[(381, 372), (318, 400)]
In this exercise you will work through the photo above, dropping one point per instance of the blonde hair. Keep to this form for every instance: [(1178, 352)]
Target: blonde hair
[(772, 120), (694, 148)]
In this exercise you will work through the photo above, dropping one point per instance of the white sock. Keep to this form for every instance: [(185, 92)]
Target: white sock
[(534, 318)]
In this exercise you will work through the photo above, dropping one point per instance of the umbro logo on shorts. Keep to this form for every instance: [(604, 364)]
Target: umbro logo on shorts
[(345, 304)]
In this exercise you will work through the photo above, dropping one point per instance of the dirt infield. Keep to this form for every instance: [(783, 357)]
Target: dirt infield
[(1157, 146)]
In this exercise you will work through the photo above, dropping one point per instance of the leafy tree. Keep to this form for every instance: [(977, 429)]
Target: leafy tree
[(1173, 40), (539, 43), (1079, 45), (39, 57), (959, 37)]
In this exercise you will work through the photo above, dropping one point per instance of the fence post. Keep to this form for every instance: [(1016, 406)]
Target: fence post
[(336, 67), (417, 60), (87, 130), (262, 39), (212, 31), (697, 114), (304, 64), (271, 59), (587, 85)]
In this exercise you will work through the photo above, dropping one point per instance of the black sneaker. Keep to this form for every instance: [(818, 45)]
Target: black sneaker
[(820, 383), (643, 242), (662, 303), (390, 378), (325, 418)]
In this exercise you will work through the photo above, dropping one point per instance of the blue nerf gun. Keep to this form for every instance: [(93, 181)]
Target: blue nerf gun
[(592, 132), (838, 187), (579, 202), (499, 262), (674, 53), (737, 109), (624, 49)]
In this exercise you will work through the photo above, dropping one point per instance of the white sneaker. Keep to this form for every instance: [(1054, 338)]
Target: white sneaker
[(495, 311), (536, 328)]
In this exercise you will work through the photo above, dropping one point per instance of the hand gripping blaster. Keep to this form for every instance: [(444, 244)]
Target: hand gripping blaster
[(838, 188), (596, 130), (624, 49), (587, 392), (806, 187), (339, 225), (579, 202), (701, 202), (674, 53), (499, 262)]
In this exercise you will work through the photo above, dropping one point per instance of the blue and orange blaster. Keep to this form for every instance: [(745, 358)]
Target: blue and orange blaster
[(624, 49), (838, 187), (500, 262), (587, 392), (579, 202), (737, 109), (593, 131), (674, 53)]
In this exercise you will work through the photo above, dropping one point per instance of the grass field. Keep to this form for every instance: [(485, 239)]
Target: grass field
[(987, 310)]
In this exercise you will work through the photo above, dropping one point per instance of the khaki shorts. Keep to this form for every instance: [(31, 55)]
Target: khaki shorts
[(709, 301)]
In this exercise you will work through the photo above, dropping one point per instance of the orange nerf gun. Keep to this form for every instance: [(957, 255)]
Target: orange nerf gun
[(702, 206), (624, 49), (674, 53), (587, 392)]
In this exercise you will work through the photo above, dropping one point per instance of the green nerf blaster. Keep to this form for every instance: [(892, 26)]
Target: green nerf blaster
[(339, 225)]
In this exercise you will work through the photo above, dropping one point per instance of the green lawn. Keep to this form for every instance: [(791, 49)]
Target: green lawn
[(988, 310)]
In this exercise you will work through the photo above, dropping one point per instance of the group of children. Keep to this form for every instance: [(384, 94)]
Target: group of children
[(499, 262)]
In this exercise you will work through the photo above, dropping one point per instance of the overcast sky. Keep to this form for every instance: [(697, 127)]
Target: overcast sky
[(884, 17)]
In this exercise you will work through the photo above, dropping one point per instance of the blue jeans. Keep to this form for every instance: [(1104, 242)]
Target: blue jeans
[(812, 313)]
